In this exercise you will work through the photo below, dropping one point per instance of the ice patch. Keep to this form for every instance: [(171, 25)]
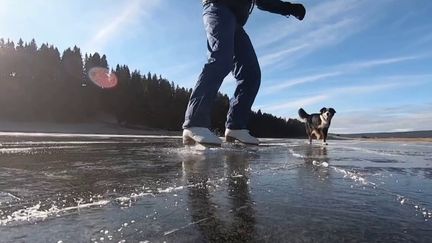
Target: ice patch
[(404, 201), (6, 197), (184, 227), (355, 176), (36, 143), (141, 194), (123, 199), (34, 214), (32, 150), (423, 211), (295, 154), (15, 150), (83, 135), (126, 201), (322, 164), (275, 144), (170, 189), (369, 151)]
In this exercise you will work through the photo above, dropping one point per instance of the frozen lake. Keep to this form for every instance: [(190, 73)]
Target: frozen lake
[(151, 189)]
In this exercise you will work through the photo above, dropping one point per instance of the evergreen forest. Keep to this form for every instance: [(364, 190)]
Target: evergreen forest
[(44, 84)]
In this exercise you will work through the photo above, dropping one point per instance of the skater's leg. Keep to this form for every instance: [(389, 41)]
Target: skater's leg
[(220, 25), (248, 75)]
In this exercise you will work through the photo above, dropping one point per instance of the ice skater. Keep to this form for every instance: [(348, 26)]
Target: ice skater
[(230, 50)]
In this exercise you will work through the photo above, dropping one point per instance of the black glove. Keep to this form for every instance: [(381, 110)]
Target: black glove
[(295, 9)]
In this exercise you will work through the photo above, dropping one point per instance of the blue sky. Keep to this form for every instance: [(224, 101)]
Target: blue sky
[(370, 60)]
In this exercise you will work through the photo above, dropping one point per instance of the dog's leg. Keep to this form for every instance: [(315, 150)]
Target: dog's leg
[(325, 132), (309, 132), (319, 134), (315, 134)]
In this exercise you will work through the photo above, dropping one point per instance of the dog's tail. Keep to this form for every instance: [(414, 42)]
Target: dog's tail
[(302, 113)]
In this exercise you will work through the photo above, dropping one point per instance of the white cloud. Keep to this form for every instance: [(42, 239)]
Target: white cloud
[(301, 80), (322, 96), (354, 66), (384, 119), (115, 24), (322, 14), (313, 40), (280, 55), (326, 24), (293, 104), (338, 70), (362, 89)]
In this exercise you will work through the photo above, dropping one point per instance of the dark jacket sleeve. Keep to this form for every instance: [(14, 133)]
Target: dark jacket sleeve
[(274, 6)]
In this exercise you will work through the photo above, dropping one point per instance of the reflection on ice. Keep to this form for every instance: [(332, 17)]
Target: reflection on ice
[(216, 224)]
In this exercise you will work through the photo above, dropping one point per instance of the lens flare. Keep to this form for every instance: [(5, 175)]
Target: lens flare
[(102, 77)]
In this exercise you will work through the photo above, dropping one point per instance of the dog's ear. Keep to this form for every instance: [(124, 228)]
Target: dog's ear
[(323, 110), (333, 111)]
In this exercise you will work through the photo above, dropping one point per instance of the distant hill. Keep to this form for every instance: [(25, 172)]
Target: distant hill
[(413, 134)]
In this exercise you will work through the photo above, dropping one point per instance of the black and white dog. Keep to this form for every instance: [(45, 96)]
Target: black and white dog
[(317, 124)]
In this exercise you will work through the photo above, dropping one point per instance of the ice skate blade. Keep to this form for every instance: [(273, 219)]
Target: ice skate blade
[(232, 140), (192, 144)]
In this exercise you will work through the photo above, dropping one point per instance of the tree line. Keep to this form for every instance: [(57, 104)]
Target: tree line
[(42, 84)]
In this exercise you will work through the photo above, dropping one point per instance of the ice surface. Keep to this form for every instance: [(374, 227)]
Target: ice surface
[(148, 188)]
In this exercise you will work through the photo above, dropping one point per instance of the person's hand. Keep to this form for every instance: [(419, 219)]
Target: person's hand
[(295, 9), (298, 11)]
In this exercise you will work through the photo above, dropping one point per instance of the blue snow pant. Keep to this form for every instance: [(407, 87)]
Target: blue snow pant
[(230, 50)]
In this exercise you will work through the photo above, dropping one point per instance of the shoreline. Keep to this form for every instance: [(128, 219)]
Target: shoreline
[(382, 139), (104, 128), (397, 139), (11, 128)]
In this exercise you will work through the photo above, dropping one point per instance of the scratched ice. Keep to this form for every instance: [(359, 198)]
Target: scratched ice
[(152, 189)]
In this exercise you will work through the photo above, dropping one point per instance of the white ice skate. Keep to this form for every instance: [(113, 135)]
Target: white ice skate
[(242, 136), (200, 135)]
